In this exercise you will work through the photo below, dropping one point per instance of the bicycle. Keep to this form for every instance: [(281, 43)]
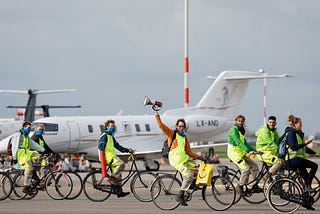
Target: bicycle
[(249, 192), (58, 185), (6, 185), (287, 195), (98, 188), (164, 190)]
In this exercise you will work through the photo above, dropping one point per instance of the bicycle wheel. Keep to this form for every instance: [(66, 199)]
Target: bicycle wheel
[(220, 195), (58, 185), (255, 197), (283, 195), (95, 187), (140, 185), (316, 185), (18, 183), (77, 185), (164, 192), (234, 179), (6, 186)]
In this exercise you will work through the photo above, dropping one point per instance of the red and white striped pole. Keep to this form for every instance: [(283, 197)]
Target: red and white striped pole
[(186, 59), (264, 96)]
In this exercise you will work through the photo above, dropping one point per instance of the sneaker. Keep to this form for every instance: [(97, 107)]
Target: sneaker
[(122, 194), (27, 190), (180, 199), (309, 207), (256, 189)]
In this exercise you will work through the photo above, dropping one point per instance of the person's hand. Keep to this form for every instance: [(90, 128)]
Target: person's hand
[(308, 141), (202, 158), (252, 152), (155, 110), (131, 151)]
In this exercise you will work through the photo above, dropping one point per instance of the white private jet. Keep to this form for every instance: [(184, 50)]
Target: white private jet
[(9, 126), (208, 121)]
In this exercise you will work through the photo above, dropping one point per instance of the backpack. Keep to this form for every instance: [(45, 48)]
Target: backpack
[(165, 148), (282, 149)]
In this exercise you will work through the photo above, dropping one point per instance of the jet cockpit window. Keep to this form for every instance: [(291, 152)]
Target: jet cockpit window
[(137, 127), (48, 127)]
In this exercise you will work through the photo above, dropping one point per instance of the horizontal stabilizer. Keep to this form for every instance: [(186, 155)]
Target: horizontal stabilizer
[(36, 91)]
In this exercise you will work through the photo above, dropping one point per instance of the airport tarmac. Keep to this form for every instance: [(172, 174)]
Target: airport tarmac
[(43, 204)]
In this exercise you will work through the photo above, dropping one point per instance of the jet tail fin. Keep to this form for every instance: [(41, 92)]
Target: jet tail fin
[(226, 93)]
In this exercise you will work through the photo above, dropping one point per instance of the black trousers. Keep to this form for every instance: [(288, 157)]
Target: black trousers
[(304, 164)]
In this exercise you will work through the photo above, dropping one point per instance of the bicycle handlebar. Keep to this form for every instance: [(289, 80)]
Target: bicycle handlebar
[(258, 153)]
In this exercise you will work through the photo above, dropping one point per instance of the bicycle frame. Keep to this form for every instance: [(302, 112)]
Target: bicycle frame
[(131, 172), (263, 170)]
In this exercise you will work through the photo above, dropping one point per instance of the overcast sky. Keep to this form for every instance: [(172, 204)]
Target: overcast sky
[(114, 52)]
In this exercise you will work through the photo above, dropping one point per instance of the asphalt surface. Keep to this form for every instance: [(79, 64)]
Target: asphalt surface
[(129, 205)]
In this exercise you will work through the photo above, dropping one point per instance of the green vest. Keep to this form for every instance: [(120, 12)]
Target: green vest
[(23, 153), (25, 142), (235, 153), (300, 152), (41, 142), (110, 152), (178, 157)]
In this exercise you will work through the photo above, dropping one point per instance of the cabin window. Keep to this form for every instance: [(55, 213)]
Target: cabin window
[(137, 127), (90, 128), (101, 128), (148, 128), (126, 127), (48, 127)]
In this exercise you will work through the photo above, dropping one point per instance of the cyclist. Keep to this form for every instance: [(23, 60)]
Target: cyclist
[(26, 152), (297, 149), (37, 136), (108, 143), (238, 149), (179, 154), (267, 142)]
